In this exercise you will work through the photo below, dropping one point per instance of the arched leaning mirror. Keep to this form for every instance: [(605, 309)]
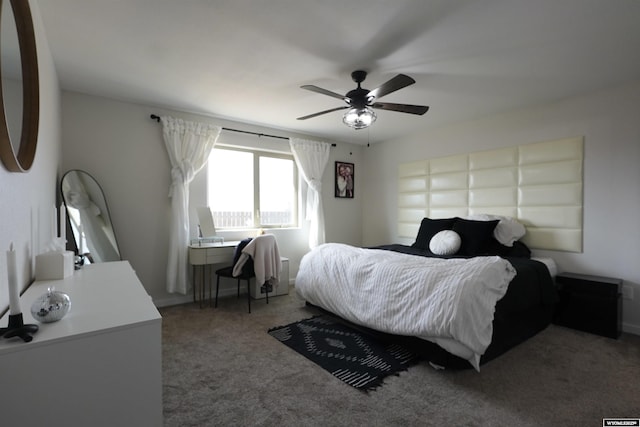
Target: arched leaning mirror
[(20, 88), (89, 218)]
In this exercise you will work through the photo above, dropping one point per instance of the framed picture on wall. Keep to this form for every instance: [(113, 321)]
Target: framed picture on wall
[(344, 180)]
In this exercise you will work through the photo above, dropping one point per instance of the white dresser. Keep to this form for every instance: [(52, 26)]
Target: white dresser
[(101, 365)]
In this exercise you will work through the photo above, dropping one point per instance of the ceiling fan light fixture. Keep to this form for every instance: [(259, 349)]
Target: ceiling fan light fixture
[(359, 118)]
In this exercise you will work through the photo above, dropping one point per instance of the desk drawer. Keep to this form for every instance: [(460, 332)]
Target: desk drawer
[(220, 255), (202, 256)]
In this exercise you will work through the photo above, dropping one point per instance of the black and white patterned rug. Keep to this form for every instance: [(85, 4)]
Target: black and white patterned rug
[(352, 356)]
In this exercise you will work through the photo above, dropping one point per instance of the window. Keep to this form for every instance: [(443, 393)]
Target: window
[(252, 189)]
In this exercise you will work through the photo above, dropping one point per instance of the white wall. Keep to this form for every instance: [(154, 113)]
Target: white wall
[(609, 122), (27, 200), (123, 149)]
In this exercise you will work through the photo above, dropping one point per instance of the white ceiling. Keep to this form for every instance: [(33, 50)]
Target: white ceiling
[(246, 59)]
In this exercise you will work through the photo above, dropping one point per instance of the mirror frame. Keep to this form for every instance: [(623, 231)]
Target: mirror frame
[(30, 94), (68, 225)]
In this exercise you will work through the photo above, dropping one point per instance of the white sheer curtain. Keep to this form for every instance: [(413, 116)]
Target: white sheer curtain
[(188, 145), (311, 158)]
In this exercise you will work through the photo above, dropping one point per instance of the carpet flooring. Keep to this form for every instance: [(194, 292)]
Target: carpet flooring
[(222, 368)]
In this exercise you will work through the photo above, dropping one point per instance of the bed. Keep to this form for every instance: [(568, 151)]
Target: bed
[(463, 293)]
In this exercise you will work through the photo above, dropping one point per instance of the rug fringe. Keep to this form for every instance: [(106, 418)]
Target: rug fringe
[(275, 328)]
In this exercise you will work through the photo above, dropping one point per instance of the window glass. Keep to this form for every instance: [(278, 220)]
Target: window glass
[(276, 191), (251, 189), (230, 188)]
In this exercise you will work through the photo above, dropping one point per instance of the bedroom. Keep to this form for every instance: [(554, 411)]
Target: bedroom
[(104, 135), (603, 117)]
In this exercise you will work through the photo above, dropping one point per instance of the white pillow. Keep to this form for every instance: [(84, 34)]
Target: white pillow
[(445, 242), (508, 229)]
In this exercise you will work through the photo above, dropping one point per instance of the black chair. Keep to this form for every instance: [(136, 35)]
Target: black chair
[(247, 273)]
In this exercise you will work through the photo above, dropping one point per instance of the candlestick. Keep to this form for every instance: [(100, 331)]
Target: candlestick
[(16, 326), (14, 294)]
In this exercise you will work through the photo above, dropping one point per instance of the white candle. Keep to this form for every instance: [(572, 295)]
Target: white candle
[(54, 223), (63, 222), (14, 294)]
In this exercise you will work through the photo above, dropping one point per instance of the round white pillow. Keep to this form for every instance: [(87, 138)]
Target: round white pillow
[(445, 242)]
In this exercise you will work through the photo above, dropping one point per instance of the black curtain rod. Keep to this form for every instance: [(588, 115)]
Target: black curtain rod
[(157, 118)]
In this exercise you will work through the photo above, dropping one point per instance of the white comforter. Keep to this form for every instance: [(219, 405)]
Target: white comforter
[(447, 301)]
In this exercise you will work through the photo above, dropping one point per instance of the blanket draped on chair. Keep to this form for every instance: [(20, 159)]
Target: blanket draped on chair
[(266, 259)]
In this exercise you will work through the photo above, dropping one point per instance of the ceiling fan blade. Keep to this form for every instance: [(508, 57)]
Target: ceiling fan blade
[(396, 83), (317, 89), (402, 108), (322, 112)]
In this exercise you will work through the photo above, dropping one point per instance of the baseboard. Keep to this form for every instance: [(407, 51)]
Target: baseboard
[(185, 299), (177, 300), (631, 329)]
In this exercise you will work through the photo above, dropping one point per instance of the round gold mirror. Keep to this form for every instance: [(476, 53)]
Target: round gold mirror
[(27, 136)]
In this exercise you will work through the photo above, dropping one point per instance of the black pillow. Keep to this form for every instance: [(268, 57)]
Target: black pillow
[(238, 251), (518, 250), (248, 266), (476, 235), (429, 228)]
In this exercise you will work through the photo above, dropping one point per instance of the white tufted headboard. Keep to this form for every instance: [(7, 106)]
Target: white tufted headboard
[(539, 184)]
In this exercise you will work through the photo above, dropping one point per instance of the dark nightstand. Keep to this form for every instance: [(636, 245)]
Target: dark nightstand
[(590, 303)]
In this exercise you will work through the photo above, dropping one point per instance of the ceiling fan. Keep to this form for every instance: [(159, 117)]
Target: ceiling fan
[(361, 102)]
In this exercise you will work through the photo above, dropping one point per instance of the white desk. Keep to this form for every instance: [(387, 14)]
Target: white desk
[(100, 365), (207, 254)]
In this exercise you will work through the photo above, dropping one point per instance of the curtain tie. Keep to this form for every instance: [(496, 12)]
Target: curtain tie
[(315, 184), (313, 196), (182, 174)]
